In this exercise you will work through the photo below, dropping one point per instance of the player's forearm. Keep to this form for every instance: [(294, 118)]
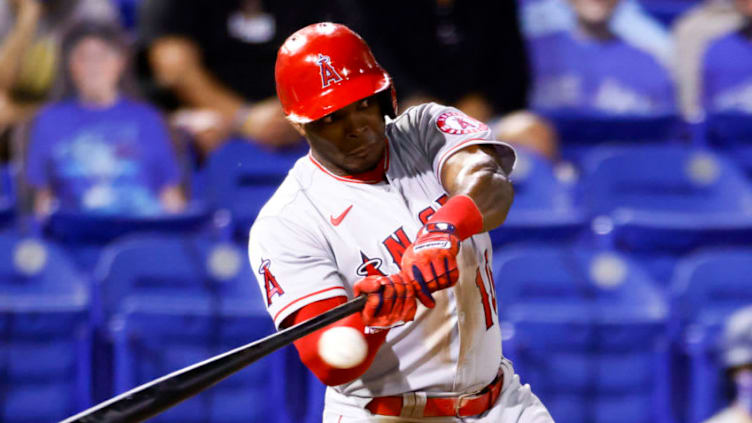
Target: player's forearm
[(476, 172), (308, 346)]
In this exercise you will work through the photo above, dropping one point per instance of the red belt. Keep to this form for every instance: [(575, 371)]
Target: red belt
[(415, 404)]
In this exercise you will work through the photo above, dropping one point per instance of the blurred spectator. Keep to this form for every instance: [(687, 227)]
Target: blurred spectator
[(97, 151), (591, 70), (531, 131), (693, 32), (472, 50), (737, 362), (216, 60), (727, 68), (30, 31), (630, 22)]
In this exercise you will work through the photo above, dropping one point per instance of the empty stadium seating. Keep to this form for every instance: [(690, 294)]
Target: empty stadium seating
[(666, 200), (731, 133), (44, 332), (84, 235), (580, 132), (152, 339), (570, 322), (545, 207), (707, 287), (172, 301), (241, 176)]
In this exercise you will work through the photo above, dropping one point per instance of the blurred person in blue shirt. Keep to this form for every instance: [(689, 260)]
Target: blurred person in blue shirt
[(97, 151), (29, 36), (590, 69), (727, 68), (630, 21)]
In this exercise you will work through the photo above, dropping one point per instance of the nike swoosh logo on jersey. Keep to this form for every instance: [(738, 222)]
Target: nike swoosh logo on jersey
[(337, 220)]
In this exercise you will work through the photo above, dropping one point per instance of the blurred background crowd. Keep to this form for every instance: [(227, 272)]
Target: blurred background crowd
[(139, 138)]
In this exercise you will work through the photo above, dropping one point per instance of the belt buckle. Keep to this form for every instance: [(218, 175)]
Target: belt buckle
[(459, 404)]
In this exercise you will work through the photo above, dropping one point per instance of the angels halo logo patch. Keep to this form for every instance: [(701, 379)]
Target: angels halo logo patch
[(457, 123)]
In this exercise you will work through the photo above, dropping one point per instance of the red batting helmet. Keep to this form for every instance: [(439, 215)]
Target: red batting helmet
[(324, 67)]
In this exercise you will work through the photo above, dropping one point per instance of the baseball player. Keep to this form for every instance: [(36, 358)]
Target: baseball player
[(395, 208), (737, 360)]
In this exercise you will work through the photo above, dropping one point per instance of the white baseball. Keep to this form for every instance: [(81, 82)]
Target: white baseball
[(343, 347)]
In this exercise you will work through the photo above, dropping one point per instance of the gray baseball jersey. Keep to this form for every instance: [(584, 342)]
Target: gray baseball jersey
[(321, 233)]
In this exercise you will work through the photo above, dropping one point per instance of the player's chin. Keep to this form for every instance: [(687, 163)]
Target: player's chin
[(357, 165), (363, 161)]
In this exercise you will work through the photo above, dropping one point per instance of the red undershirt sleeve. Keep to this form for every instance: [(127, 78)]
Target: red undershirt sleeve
[(308, 350)]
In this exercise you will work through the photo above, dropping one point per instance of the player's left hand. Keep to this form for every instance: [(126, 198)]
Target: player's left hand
[(430, 263), (391, 301)]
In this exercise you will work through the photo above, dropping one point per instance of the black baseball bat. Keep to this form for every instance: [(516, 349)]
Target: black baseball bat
[(154, 397)]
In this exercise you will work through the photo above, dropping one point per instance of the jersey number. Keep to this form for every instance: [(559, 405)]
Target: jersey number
[(484, 296)]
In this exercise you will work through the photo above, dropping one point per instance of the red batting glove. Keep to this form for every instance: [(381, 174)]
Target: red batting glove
[(390, 303), (430, 263)]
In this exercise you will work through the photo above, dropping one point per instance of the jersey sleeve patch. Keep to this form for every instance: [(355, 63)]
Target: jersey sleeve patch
[(271, 285), (458, 123)]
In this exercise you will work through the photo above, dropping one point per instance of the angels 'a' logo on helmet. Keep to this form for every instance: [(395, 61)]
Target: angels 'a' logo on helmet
[(327, 71)]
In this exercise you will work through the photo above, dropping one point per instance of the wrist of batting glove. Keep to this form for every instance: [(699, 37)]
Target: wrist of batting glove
[(390, 301), (430, 263), (461, 212)]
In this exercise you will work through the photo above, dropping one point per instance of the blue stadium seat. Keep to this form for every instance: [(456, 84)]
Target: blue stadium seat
[(153, 338), (171, 301), (729, 129), (731, 133), (545, 207), (241, 176), (665, 201), (44, 333), (84, 235), (708, 286), (586, 329), (580, 132), (161, 264)]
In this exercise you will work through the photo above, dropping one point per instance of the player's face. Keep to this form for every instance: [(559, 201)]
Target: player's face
[(594, 11), (350, 140)]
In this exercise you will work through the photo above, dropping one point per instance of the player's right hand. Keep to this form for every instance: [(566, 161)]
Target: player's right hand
[(391, 301)]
